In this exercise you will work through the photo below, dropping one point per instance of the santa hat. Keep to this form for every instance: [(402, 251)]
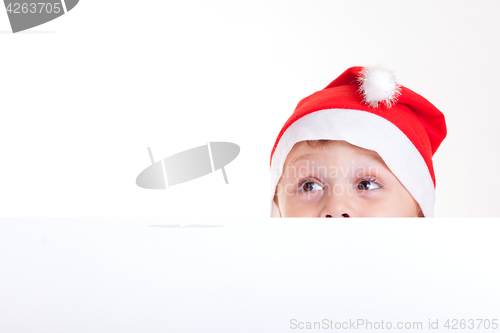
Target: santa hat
[(366, 107)]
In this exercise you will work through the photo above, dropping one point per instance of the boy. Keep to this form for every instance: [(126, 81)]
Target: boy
[(362, 146)]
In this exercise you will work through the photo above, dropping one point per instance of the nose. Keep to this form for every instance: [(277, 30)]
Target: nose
[(338, 204)]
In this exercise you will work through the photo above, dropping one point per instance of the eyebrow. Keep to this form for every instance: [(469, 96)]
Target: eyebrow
[(374, 158), (308, 157)]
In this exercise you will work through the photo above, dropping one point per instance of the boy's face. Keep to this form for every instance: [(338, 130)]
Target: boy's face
[(337, 179)]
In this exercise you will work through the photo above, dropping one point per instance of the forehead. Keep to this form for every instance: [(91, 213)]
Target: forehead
[(331, 152)]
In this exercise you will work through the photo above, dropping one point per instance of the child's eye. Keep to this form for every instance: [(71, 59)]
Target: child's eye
[(309, 186), (369, 185)]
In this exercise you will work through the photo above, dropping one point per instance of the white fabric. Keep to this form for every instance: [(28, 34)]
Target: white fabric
[(365, 130)]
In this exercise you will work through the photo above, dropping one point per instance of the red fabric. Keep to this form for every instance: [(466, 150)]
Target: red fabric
[(415, 116)]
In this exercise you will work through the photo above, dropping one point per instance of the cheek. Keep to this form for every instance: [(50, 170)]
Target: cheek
[(408, 207), (389, 202), (394, 205), (292, 209), (298, 204), (377, 209)]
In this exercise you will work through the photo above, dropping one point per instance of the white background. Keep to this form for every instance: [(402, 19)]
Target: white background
[(84, 95), (250, 275)]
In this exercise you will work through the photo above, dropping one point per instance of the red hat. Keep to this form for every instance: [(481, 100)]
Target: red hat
[(366, 107)]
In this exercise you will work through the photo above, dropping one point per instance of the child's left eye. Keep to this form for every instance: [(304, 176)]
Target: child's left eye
[(368, 185)]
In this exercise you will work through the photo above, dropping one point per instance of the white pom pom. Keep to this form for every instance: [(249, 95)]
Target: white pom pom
[(378, 85)]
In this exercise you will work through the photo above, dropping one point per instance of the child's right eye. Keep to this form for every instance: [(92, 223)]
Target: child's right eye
[(310, 186)]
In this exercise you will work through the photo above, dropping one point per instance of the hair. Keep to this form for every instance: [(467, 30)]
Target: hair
[(319, 143)]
